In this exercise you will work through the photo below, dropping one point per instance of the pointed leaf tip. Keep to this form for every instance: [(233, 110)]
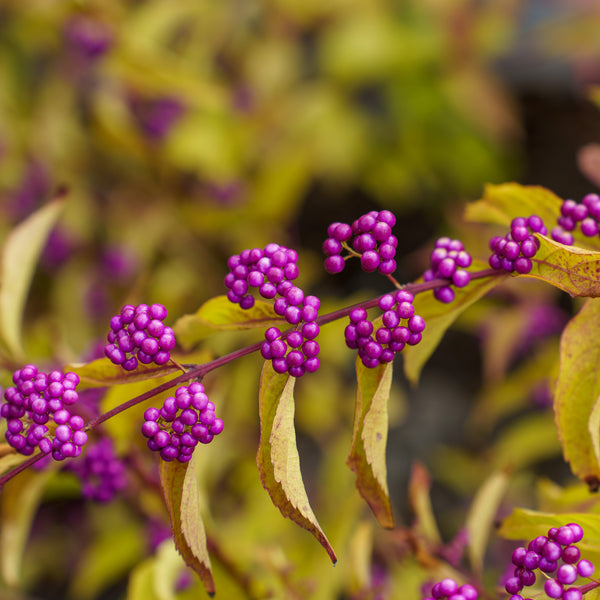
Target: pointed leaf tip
[(367, 453), (277, 457)]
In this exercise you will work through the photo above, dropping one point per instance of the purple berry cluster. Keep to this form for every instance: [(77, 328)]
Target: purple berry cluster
[(585, 214), (36, 401), (185, 419), (513, 252), (297, 352), (554, 554), (378, 346), (270, 271), (138, 334), (370, 237), (101, 472), (448, 588), (448, 260)]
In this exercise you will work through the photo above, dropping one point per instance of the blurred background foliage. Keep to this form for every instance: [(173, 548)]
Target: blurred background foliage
[(181, 132)]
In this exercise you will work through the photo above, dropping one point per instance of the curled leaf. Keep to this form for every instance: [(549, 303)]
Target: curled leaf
[(369, 438), (277, 458), (182, 496)]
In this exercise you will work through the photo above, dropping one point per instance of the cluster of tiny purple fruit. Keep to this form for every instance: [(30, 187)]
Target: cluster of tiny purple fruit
[(369, 237), (138, 335), (378, 346), (271, 271), (185, 419), (554, 554), (585, 214), (448, 260), (448, 588), (36, 401), (101, 472), (513, 252)]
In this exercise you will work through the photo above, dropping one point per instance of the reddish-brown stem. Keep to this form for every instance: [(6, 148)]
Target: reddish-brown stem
[(197, 372)]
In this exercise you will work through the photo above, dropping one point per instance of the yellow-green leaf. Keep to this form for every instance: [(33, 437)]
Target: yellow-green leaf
[(524, 524), (438, 318), (594, 428), (18, 502), (102, 372), (569, 268), (369, 438), (481, 516), (502, 203), (277, 458), (220, 314), (577, 390), (182, 496), (20, 253)]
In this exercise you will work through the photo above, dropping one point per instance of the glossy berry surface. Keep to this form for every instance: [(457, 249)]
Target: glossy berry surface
[(449, 260), (34, 405), (584, 215), (369, 238), (555, 555), (138, 335), (449, 589), (399, 326), (183, 421), (513, 252)]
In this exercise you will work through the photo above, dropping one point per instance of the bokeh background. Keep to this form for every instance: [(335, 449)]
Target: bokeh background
[(182, 132)]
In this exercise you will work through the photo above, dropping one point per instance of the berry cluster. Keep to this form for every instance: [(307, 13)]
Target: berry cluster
[(297, 353), (379, 346), (448, 260), (513, 252), (139, 334), (101, 472), (555, 554), (448, 588), (36, 399), (184, 420), (271, 271), (586, 214), (370, 237)]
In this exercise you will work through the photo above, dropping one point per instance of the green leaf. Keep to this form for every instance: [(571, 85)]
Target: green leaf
[(524, 524), (18, 502), (577, 390), (20, 254), (569, 268), (438, 318), (502, 203), (102, 372), (367, 453), (277, 457), (220, 314), (182, 496), (481, 516)]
